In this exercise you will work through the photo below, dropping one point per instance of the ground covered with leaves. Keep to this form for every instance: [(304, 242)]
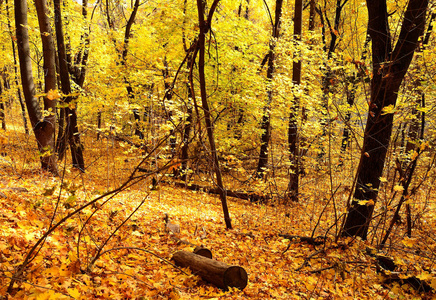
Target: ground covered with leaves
[(117, 246)]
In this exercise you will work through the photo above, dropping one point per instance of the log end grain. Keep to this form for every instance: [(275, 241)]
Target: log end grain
[(203, 252), (236, 276)]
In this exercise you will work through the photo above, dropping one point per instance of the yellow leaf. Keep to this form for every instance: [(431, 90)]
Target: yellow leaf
[(390, 109), (362, 202), (53, 95), (433, 283), (74, 293), (383, 179), (423, 146), (398, 188), (424, 276), (409, 242)]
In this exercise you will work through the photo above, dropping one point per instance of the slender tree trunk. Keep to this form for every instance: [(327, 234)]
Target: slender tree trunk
[(71, 130), (389, 69), (294, 171), (185, 147), (129, 88), (351, 95), (187, 130), (328, 77), (169, 112), (20, 98), (42, 127), (98, 123), (204, 27), (2, 109), (266, 122)]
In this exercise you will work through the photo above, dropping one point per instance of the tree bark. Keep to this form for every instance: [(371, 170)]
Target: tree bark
[(266, 122), (71, 130), (329, 76), (20, 98), (2, 108), (213, 271), (42, 127), (389, 69), (204, 28), (49, 68), (294, 154), (351, 95), (129, 88)]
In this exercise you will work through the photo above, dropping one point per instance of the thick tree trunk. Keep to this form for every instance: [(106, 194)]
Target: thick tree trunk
[(266, 122), (49, 68), (43, 129), (213, 271), (389, 69)]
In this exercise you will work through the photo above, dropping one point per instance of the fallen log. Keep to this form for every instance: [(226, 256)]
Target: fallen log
[(386, 266), (319, 240), (213, 271), (252, 197)]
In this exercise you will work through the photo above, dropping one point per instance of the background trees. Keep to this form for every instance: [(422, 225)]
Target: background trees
[(143, 57), (329, 104)]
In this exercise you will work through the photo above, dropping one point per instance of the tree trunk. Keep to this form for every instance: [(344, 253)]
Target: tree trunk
[(266, 122), (351, 95), (20, 98), (186, 132), (204, 27), (169, 112), (71, 130), (129, 88), (389, 69), (49, 68), (328, 77), (2, 108), (294, 156), (42, 127)]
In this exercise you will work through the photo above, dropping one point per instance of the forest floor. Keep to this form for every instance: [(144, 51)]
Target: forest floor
[(136, 257)]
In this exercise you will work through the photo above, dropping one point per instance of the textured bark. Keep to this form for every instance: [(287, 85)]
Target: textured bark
[(204, 28), (186, 133), (329, 75), (2, 109), (389, 69), (213, 271), (266, 122), (71, 130), (49, 68), (129, 88), (293, 144), (42, 127)]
